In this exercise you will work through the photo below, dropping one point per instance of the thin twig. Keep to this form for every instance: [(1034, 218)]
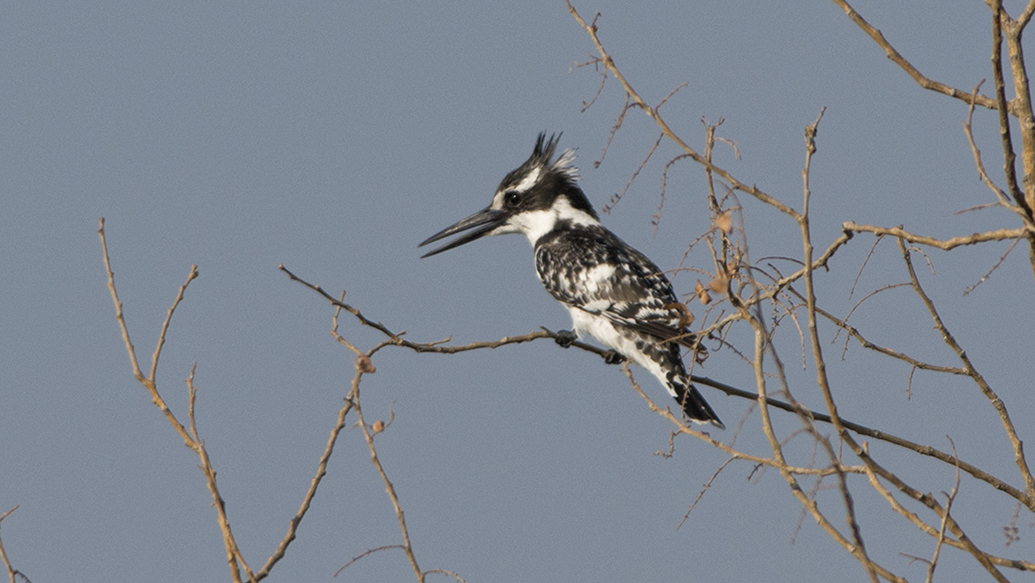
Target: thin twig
[(705, 488), (12, 573), (190, 439), (365, 553), (233, 552), (985, 178), (906, 66), (389, 488), (652, 112), (995, 266), (616, 198), (945, 245), (704, 436), (979, 379), (945, 519)]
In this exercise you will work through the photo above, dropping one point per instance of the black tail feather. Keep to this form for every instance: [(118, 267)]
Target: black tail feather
[(694, 406)]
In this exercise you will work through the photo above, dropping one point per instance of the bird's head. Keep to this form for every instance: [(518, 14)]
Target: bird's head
[(532, 200)]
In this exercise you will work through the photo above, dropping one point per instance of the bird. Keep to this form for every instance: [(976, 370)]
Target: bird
[(613, 292)]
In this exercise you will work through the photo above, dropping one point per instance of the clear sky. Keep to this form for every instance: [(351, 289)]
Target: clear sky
[(333, 137)]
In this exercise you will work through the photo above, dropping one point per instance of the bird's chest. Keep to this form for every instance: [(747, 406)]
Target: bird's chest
[(573, 281)]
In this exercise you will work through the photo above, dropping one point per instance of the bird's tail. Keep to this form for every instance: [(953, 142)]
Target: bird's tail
[(693, 404)]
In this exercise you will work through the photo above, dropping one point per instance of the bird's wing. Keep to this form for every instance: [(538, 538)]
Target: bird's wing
[(597, 272)]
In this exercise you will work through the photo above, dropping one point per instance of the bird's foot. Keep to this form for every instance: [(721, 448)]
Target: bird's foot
[(565, 338), (613, 357)]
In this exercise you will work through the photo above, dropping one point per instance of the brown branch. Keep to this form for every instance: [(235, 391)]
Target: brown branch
[(1026, 199), (436, 347), (705, 488), (366, 553), (704, 436), (148, 382), (994, 267), (389, 488), (447, 573), (945, 245), (986, 560), (603, 79), (945, 519), (930, 530), (12, 573), (858, 549), (906, 66), (771, 291), (190, 439), (314, 484), (1022, 99), (874, 469), (854, 333), (616, 198), (652, 112), (985, 178), (986, 389), (1025, 17), (925, 450), (1000, 92), (396, 339), (233, 552)]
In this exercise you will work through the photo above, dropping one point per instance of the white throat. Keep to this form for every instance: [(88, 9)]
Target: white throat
[(535, 224)]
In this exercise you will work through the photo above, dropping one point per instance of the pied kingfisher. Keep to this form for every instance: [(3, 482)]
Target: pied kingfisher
[(613, 292)]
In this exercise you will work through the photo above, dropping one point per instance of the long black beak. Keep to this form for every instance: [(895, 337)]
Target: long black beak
[(487, 219)]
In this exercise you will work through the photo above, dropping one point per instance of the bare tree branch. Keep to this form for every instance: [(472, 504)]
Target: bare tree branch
[(979, 379), (12, 573), (945, 245), (906, 66)]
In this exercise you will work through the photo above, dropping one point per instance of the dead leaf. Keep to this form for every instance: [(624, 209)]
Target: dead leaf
[(364, 365), (719, 284), (685, 317), (702, 293), (724, 221)]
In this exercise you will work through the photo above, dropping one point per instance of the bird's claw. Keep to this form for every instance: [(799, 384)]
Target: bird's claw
[(613, 357), (565, 338)]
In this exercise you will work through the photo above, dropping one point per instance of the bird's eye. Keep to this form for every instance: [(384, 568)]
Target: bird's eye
[(512, 198)]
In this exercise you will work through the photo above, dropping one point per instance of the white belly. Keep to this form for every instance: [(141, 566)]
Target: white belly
[(605, 333)]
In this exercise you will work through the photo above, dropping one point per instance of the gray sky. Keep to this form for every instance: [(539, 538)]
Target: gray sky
[(333, 137)]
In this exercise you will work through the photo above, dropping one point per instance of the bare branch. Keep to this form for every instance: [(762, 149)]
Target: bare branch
[(368, 436), (945, 245), (12, 573), (705, 488), (945, 519), (995, 266), (366, 553), (233, 552), (653, 114), (986, 389), (906, 66), (985, 178), (1000, 93), (616, 198)]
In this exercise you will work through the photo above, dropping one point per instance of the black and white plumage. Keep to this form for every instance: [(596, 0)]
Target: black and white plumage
[(613, 292)]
